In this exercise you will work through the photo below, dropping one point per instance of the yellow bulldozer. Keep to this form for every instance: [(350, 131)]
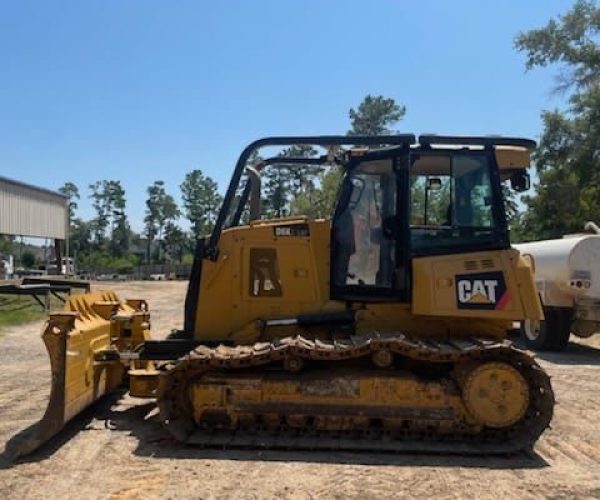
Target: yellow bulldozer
[(382, 328)]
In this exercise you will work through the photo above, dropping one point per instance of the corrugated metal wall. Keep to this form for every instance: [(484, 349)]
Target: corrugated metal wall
[(30, 211)]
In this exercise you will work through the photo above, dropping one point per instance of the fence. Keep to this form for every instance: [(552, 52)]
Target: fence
[(143, 272), (178, 271)]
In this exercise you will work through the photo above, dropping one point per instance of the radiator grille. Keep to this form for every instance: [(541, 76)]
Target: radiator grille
[(474, 265), (487, 264)]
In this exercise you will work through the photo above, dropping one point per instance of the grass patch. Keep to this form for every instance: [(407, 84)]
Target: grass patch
[(19, 309)]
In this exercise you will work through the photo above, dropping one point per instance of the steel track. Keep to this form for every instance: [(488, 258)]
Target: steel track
[(176, 410)]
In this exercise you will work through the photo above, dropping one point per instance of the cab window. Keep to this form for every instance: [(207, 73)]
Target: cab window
[(451, 201), (264, 273), (364, 254)]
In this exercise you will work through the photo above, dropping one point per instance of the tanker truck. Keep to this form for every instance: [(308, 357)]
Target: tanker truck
[(567, 276)]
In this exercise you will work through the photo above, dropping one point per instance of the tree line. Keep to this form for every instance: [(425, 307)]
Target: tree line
[(107, 240), (568, 156)]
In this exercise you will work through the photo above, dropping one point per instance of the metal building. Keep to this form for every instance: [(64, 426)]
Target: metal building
[(32, 211), (27, 210)]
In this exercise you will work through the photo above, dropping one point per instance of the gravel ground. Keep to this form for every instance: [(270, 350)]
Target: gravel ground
[(135, 459)]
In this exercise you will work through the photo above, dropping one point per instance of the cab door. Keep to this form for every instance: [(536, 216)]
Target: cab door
[(368, 260)]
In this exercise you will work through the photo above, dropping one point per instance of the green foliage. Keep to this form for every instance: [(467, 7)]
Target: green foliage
[(572, 41), (72, 191), (511, 207), (101, 261), (104, 243), (201, 202), (567, 160), (175, 242), (99, 224), (110, 228), (555, 210), (188, 258), (121, 235), (28, 259), (319, 200), (428, 206), (80, 237), (7, 244), (375, 115), (282, 184), (16, 310), (161, 209)]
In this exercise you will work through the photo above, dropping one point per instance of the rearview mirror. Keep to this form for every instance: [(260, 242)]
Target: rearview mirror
[(520, 181), (434, 183)]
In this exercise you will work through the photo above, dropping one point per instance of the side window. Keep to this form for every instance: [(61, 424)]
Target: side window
[(451, 202), (473, 192), (445, 193), (264, 273), (431, 197), (482, 206)]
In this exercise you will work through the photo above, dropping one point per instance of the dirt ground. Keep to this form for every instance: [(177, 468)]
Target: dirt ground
[(133, 458)]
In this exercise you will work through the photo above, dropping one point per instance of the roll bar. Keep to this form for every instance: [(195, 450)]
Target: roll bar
[(325, 141)]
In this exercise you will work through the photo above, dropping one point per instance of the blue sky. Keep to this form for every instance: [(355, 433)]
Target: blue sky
[(144, 90)]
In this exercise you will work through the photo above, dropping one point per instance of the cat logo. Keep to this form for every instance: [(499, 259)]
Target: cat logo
[(481, 291)]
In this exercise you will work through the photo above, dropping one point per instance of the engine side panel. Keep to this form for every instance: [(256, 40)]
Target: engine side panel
[(495, 285)]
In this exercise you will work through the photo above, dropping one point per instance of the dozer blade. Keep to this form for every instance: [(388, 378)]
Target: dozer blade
[(83, 342)]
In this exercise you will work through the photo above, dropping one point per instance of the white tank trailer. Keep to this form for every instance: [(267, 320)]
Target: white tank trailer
[(567, 275)]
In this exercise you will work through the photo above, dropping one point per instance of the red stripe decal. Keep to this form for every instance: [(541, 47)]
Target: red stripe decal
[(501, 304)]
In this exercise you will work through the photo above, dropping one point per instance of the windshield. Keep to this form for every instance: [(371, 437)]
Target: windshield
[(451, 201)]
